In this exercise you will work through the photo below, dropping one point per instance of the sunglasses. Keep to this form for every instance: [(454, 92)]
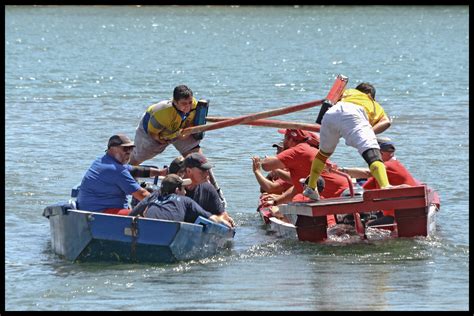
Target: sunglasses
[(201, 169), (127, 149)]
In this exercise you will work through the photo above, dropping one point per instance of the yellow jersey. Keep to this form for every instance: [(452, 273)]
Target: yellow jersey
[(164, 120), (373, 109)]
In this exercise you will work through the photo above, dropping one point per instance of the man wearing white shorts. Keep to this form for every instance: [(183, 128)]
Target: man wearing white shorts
[(357, 117)]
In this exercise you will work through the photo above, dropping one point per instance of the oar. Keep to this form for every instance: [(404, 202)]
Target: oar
[(333, 95), (271, 123), (213, 181)]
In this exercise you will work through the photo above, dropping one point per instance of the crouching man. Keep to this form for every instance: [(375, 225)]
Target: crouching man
[(173, 205)]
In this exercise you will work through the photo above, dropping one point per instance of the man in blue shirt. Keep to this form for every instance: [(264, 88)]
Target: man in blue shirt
[(174, 206), (109, 180)]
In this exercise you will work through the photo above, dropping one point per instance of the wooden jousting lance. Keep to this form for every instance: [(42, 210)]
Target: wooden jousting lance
[(333, 96), (271, 123), (337, 89), (248, 118)]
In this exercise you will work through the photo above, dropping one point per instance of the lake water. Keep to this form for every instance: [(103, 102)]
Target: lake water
[(75, 75)]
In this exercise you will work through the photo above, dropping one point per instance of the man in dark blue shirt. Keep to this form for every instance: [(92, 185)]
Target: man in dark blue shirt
[(173, 205), (201, 190), (176, 167)]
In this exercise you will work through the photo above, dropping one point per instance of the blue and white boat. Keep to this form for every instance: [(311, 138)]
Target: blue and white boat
[(79, 235)]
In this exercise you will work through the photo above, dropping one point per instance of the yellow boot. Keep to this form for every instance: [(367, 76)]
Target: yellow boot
[(316, 168)]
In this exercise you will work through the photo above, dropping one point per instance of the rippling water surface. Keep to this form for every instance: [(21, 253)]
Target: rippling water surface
[(75, 75)]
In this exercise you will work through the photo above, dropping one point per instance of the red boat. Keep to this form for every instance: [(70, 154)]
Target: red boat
[(415, 213), (415, 207)]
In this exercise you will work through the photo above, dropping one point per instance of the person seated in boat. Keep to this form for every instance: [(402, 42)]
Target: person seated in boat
[(300, 148), (301, 198), (357, 117), (276, 181), (108, 181), (161, 124), (175, 167), (197, 168), (397, 175), (173, 205)]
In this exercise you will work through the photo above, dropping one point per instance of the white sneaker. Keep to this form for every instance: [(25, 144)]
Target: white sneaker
[(312, 194)]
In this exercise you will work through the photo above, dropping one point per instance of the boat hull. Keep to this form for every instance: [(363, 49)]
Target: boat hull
[(283, 229), (82, 236), (415, 214), (288, 230)]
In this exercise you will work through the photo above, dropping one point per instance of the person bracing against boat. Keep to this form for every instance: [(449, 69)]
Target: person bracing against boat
[(176, 167), (296, 158), (108, 181), (300, 148), (173, 205), (162, 123), (331, 220), (197, 168), (276, 181), (357, 117)]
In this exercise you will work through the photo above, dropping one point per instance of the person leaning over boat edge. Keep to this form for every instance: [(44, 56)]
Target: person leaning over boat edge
[(161, 124), (108, 181), (173, 205), (357, 117), (276, 181), (197, 168), (176, 167), (331, 220), (296, 157), (300, 148)]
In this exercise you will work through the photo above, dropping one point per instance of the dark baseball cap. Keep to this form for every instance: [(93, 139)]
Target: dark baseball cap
[(278, 145), (173, 181), (197, 160), (176, 165), (386, 143), (120, 140)]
